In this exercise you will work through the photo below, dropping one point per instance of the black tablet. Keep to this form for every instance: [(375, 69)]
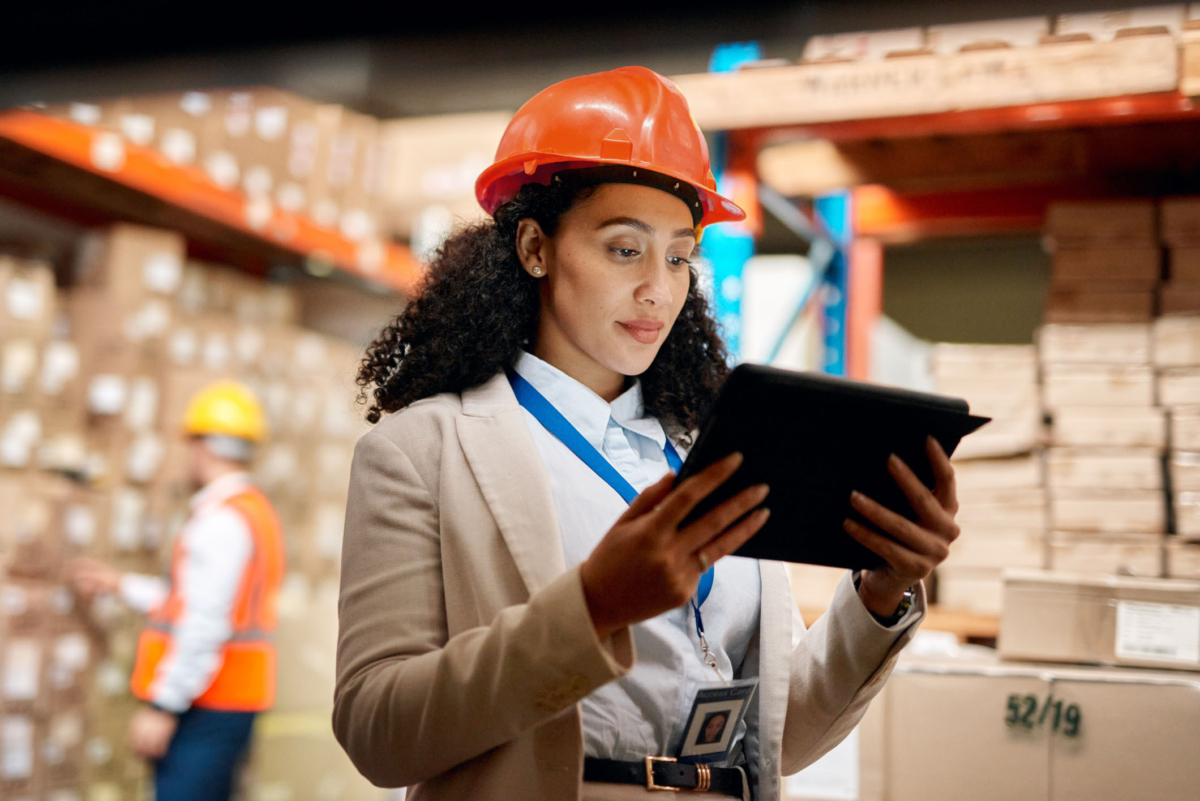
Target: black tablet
[(814, 439)]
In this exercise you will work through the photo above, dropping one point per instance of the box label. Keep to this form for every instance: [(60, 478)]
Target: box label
[(25, 299), (1161, 632)]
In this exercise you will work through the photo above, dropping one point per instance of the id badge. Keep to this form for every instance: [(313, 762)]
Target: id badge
[(716, 712)]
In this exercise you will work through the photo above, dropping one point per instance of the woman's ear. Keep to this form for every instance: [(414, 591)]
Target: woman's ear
[(532, 247)]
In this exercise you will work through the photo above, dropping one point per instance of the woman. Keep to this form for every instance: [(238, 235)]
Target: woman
[(517, 621)]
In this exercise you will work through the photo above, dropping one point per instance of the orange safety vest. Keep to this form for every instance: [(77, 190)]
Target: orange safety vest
[(245, 681)]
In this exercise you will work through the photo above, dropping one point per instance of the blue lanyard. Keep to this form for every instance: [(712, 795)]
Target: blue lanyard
[(553, 421)]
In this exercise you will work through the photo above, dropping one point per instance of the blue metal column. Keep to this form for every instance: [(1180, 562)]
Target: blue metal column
[(727, 247), (834, 212)]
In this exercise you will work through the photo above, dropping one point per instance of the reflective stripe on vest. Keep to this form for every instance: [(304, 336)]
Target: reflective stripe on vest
[(245, 681)]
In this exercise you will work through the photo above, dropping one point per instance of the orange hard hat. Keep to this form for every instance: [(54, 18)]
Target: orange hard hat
[(629, 117)]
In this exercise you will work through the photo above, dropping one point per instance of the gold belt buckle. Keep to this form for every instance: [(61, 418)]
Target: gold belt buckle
[(703, 777), (650, 785)]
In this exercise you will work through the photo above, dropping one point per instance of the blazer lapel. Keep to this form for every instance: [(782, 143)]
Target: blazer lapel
[(512, 477)]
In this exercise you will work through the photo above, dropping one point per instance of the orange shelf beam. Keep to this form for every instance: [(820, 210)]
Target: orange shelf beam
[(189, 188)]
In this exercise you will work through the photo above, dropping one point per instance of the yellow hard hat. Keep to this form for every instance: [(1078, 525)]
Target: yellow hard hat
[(228, 409)]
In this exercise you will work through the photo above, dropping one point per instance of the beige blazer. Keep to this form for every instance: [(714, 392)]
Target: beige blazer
[(465, 645)]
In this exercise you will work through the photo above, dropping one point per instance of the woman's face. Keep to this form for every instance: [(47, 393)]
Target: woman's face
[(714, 727), (614, 278)]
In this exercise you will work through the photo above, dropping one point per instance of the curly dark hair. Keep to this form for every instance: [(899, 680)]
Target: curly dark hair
[(478, 307)]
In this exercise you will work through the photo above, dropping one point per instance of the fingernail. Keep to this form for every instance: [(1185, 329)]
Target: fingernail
[(763, 491), (764, 513), (736, 457), (856, 497), (894, 460)]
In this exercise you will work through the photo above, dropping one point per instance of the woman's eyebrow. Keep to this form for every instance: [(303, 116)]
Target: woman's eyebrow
[(644, 227)]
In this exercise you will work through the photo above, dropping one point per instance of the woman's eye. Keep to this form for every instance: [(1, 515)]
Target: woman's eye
[(625, 253), (679, 261)]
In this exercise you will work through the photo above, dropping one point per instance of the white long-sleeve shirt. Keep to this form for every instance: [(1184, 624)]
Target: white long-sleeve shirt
[(644, 712), (216, 545)]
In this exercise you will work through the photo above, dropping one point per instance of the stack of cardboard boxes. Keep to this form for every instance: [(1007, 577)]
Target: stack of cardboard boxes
[(46, 653), (282, 151), (1001, 493), (410, 179), (1104, 469), (94, 465), (1106, 262)]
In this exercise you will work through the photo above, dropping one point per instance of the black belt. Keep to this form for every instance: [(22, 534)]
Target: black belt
[(664, 773)]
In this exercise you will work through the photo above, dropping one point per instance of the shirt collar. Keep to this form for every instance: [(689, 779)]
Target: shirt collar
[(584, 409), (220, 489)]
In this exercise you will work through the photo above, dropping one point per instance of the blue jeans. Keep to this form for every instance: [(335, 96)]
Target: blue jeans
[(204, 753)]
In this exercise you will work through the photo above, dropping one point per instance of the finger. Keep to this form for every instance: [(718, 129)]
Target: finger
[(735, 537), (919, 497), (904, 561), (698, 534), (648, 498), (906, 531), (945, 485), (683, 499)]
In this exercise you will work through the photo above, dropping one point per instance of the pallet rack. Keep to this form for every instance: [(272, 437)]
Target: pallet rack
[(92, 176)]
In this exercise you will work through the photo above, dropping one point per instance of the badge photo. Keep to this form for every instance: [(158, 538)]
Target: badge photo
[(714, 719)]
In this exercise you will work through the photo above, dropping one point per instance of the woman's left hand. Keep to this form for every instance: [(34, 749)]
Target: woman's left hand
[(915, 548)]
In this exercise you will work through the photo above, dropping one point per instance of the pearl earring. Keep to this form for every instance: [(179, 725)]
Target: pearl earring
[(537, 270)]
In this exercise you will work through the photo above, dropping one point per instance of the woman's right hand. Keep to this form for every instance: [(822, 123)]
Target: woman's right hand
[(646, 564)]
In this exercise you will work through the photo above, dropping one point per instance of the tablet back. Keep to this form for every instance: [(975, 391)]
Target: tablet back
[(814, 439)]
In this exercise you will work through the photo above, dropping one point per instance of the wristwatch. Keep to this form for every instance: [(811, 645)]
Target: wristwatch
[(906, 602)]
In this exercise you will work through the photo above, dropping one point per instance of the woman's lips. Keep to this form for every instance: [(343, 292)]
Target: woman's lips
[(644, 331)]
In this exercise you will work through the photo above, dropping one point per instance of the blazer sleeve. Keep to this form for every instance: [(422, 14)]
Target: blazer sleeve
[(412, 702), (837, 666)]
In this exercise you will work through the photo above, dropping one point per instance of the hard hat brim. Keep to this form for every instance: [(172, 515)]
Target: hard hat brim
[(500, 182)]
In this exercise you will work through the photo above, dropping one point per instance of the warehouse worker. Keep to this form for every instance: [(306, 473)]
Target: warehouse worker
[(205, 663), (526, 610)]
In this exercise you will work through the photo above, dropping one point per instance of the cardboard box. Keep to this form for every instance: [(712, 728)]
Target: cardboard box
[(27, 299), (1022, 32), (863, 46), (1092, 304), (307, 644), (1184, 264), (983, 735), (1101, 224), (1105, 620), (1087, 468), (970, 589), (995, 549), (1177, 341), (1097, 385), (1184, 467), (1003, 508), (1103, 26), (19, 774), (1186, 505), (1185, 428), (1179, 297), (1141, 264), (1094, 344), (1011, 432), (132, 262), (1181, 222), (1117, 554), (1183, 559), (1003, 364), (1179, 386), (433, 161), (1114, 511), (971, 475), (1110, 426)]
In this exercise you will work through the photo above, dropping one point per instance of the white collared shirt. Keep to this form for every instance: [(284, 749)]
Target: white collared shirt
[(217, 544), (643, 713)]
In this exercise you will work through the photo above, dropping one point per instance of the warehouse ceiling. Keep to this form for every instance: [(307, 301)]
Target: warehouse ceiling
[(409, 59)]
